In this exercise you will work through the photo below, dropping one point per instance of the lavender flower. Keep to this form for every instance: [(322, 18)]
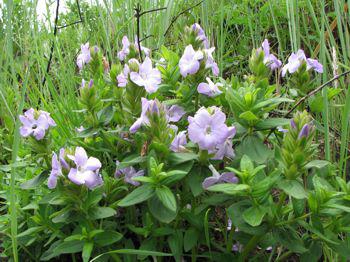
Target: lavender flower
[(209, 89), (216, 178), (305, 131), (83, 83), (207, 128), (174, 113), (200, 34), (147, 76), (179, 142), (63, 162), (297, 59), (87, 169), (122, 54), (281, 129), (190, 61), (225, 149), (122, 78), (84, 57), (35, 126), (292, 124), (270, 60), (129, 173), (210, 62), (148, 106), (55, 172)]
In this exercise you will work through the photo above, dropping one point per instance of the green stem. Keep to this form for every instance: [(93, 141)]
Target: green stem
[(251, 244)]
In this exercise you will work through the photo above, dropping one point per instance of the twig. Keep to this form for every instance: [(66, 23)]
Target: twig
[(138, 15), (153, 10), (53, 43), (179, 14), (315, 91), (146, 37)]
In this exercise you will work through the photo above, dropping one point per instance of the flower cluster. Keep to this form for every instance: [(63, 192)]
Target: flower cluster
[(127, 47), (129, 173), (35, 123), (84, 57), (270, 60), (217, 178), (297, 59), (82, 170)]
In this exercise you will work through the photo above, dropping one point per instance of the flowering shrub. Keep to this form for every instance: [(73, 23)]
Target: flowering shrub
[(173, 160)]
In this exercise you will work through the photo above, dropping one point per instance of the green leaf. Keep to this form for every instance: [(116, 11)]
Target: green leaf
[(246, 164), (290, 240), (105, 115), (255, 148), (176, 244), (134, 252), (101, 212), (167, 197), (292, 188), (87, 250), (254, 215), (190, 238), (131, 161), (230, 189), (317, 164), (139, 195), (30, 231), (159, 211), (107, 238), (69, 247), (249, 116), (272, 123), (179, 158), (35, 182)]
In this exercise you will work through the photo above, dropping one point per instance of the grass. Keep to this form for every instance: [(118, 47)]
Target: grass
[(309, 23)]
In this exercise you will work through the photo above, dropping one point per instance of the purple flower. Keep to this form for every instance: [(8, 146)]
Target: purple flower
[(200, 34), (210, 62), (297, 59), (122, 78), (209, 89), (292, 124), (216, 178), (269, 59), (174, 113), (63, 162), (147, 76), (179, 142), (304, 132), (190, 61), (83, 83), (146, 50), (55, 172), (225, 149), (281, 129), (35, 126), (208, 128), (84, 57), (86, 171), (129, 173), (148, 106), (122, 54)]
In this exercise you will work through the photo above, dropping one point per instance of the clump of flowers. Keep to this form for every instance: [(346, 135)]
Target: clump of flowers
[(217, 178), (296, 60), (129, 173), (84, 57), (209, 89), (35, 123), (130, 49), (270, 60)]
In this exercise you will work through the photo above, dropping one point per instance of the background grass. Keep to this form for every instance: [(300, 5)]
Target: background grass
[(235, 27)]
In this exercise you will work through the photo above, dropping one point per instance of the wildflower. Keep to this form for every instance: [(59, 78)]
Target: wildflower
[(83, 83), (210, 62), (86, 171), (146, 50), (217, 178), (84, 57), (179, 142), (225, 149), (148, 106), (63, 162), (200, 34), (209, 89), (122, 78), (270, 60), (147, 76), (189, 63), (35, 126), (174, 113), (55, 172), (297, 59), (207, 128), (129, 173), (281, 129), (122, 54), (304, 132)]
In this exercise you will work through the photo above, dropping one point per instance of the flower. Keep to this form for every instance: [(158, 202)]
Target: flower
[(210, 62), (209, 89), (146, 50), (304, 132), (281, 129), (83, 83), (179, 142), (297, 59), (207, 128), (122, 54), (189, 62), (225, 149), (63, 162), (129, 173), (148, 106), (217, 178), (87, 169), (200, 34), (147, 76), (84, 57), (174, 113), (35, 126), (55, 172), (122, 78), (270, 60)]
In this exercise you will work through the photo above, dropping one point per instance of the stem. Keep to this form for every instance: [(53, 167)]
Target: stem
[(251, 244)]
